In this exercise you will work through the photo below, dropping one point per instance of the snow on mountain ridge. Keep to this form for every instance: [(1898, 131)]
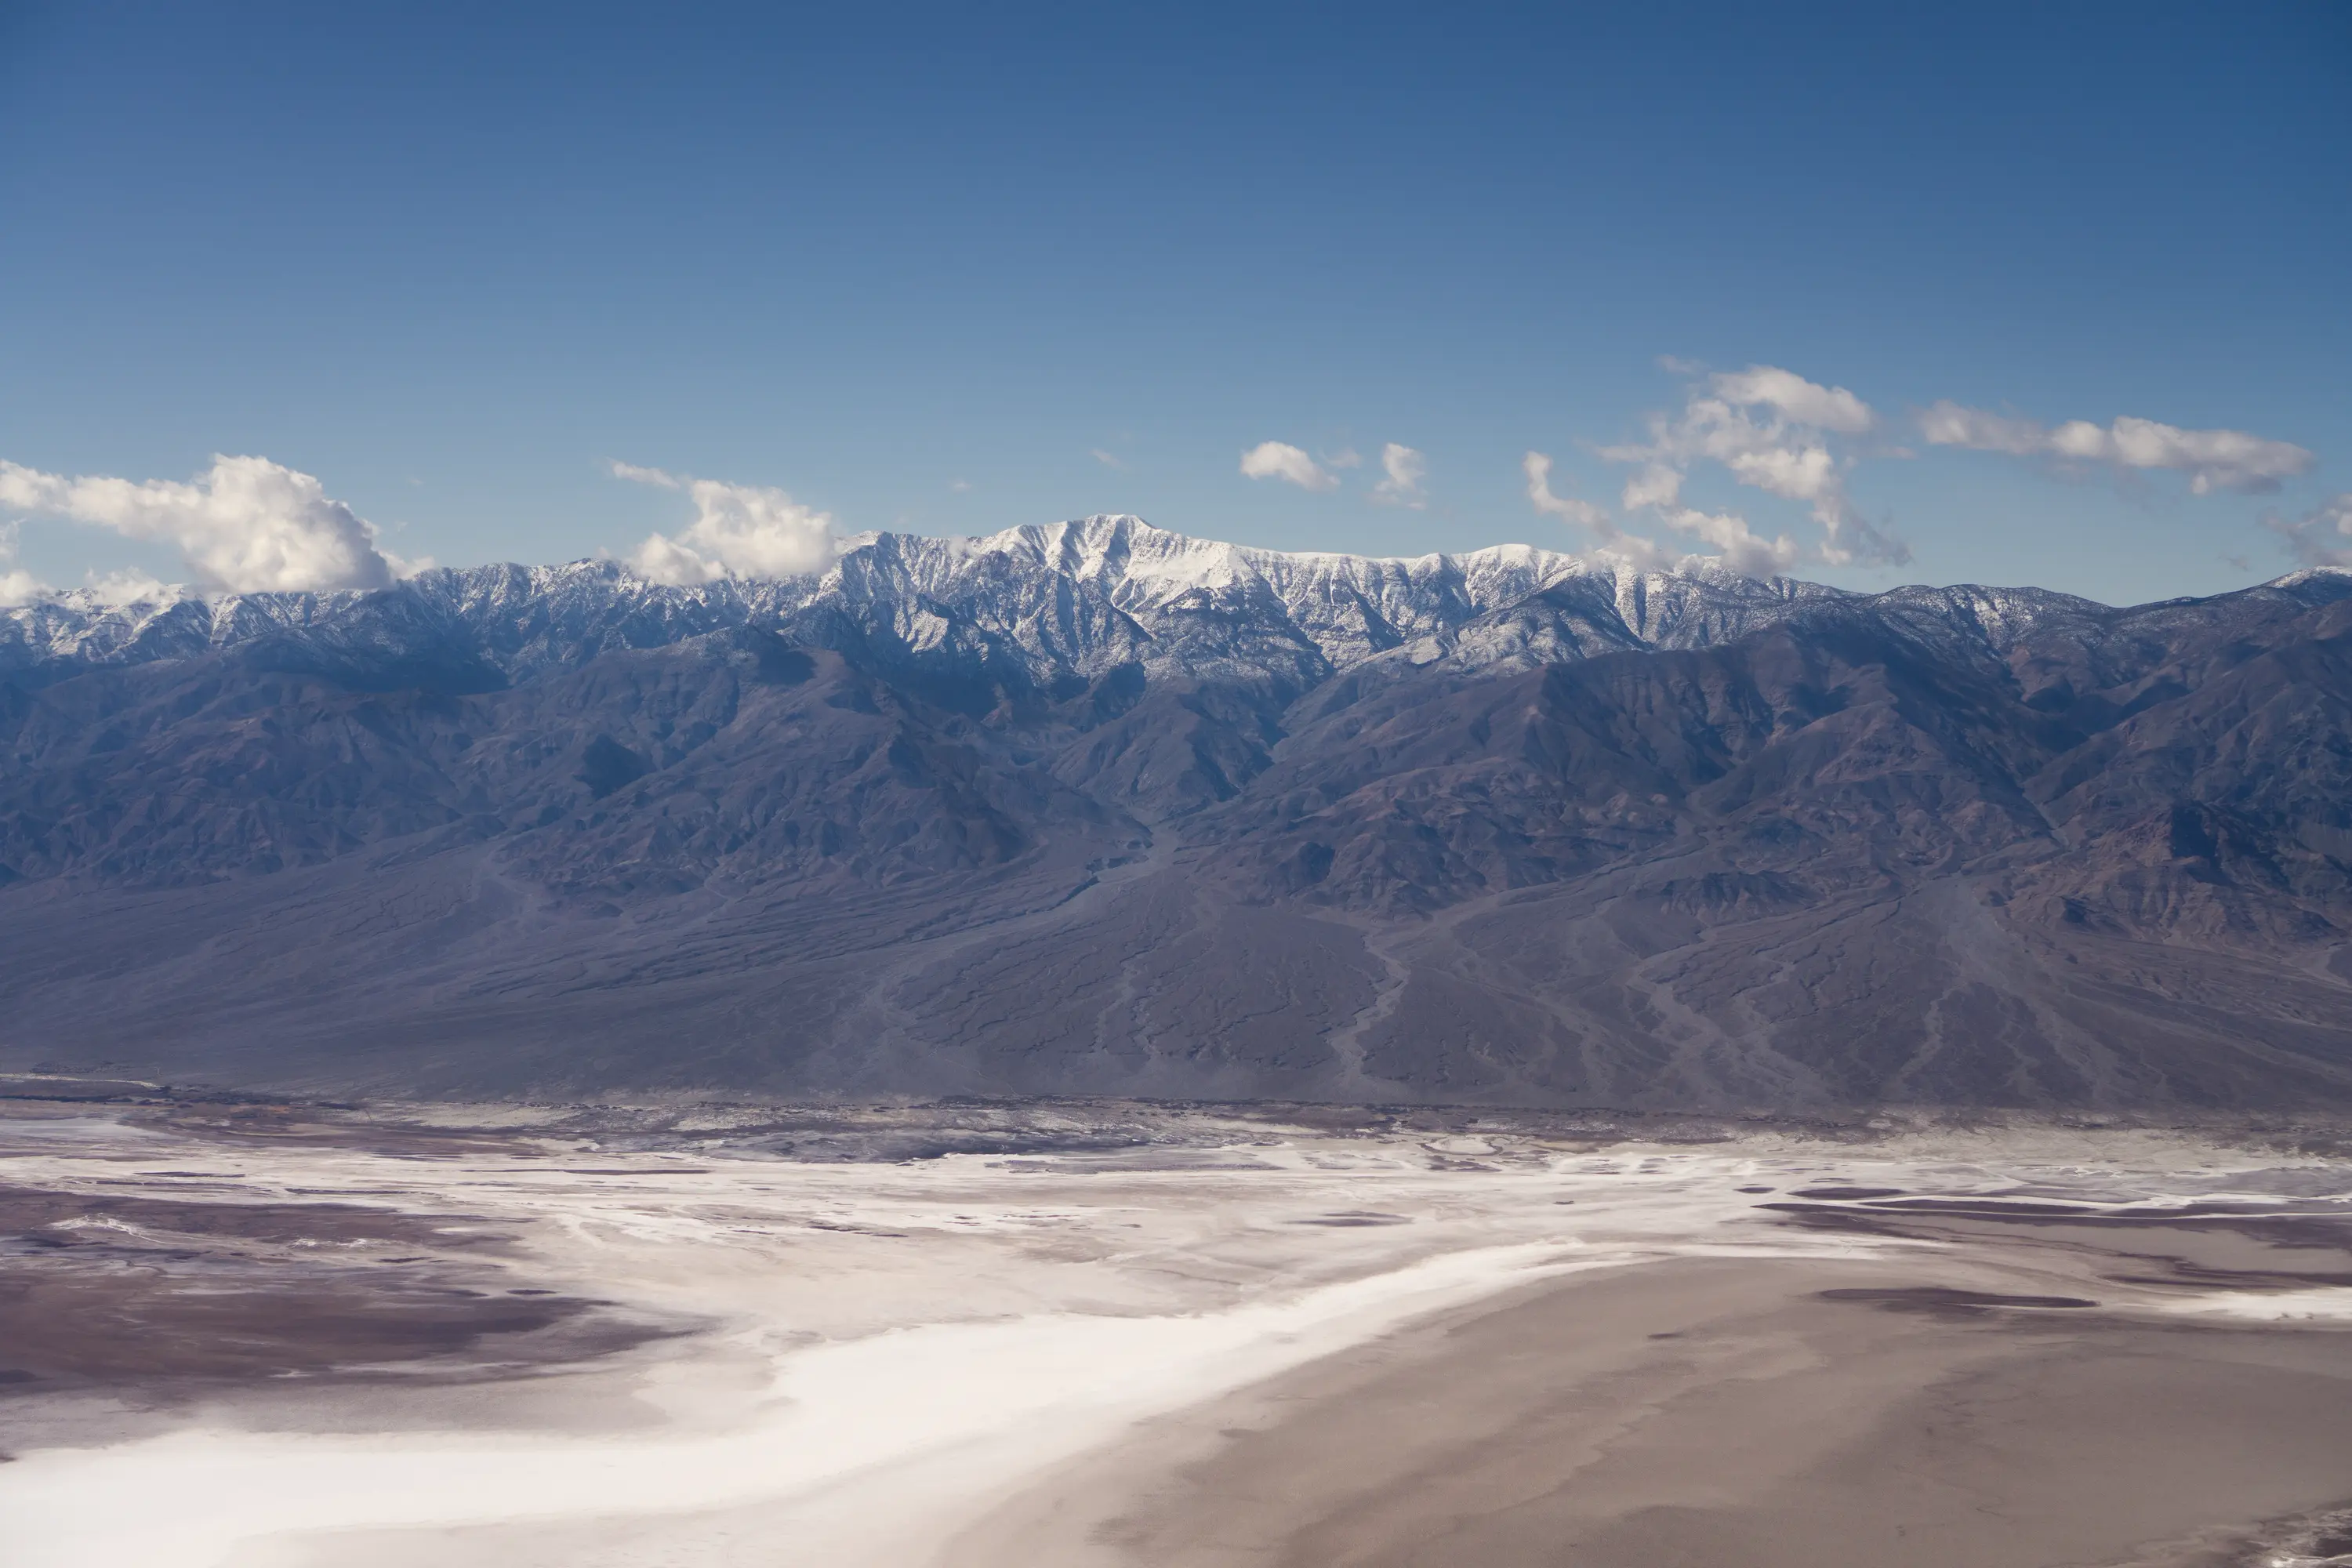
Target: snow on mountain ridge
[(1043, 603), (1081, 596)]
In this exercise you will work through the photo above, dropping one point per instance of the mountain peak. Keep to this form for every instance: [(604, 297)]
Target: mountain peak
[(1104, 760), (1038, 604)]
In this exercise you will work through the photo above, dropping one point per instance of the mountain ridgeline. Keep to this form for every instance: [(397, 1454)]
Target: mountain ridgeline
[(1094, 808)]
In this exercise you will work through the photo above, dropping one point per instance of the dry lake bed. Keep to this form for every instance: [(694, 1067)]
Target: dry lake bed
[(987, 1336)]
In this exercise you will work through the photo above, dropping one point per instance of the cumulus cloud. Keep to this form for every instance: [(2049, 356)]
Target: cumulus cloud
[(1770, 429), (1537, 466), (1800, 401), (1737, 546), (1405, 469), (1800, 473), (1656, 485), (245, 525), (1612, 543), (2320, 537), (17, 586), (128, 586), (738, 530), (2212, 460), (1281, 461), (1107, 459)]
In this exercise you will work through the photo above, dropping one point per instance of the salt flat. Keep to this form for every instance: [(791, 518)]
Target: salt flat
[(1123, 1335)]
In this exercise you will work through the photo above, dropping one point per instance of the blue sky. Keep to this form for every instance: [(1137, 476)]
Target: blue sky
[(952, 269)]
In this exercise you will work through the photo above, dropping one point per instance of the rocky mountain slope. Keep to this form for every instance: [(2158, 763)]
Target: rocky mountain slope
[(1099, 808)]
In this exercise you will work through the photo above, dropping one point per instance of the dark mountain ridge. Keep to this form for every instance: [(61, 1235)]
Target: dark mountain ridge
[(1097, 808)]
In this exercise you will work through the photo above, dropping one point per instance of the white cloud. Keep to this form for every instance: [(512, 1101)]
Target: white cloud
[(1611, 544), (1800, 473), (637, 475), (1406, 469), (1949, 425), (1107, 459), (2213, 459), (1735, 545), (1800, 401), (17, 586), (246, 524), (2320, 537), (1537, 466), (738, 530), (130, 586), (1770, 429), (1281, 461), (1654, 485)]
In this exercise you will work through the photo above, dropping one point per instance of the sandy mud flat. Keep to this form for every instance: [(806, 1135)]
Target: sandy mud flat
[(1105, 1335)]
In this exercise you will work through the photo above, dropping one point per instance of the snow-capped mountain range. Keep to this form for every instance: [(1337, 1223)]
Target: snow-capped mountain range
[(1097, 807), (1049, 601), (1068, 598)]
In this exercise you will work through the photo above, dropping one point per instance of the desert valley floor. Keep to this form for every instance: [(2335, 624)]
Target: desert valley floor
[(1102, 1334)]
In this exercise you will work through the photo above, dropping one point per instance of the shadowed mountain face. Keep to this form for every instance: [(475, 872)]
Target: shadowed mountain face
[(1097, 808)]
